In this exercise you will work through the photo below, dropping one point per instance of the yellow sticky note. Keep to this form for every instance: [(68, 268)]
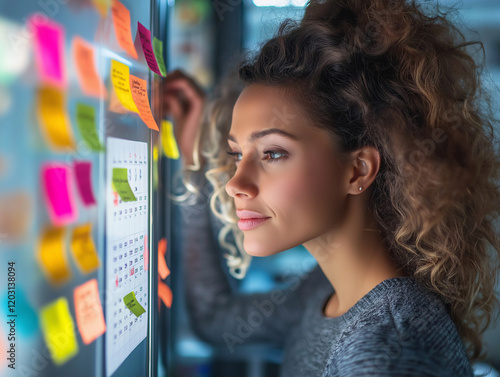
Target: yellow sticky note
[(120, 77), (168, 140), (102, 6), (59, 331), (53, 118), (52, 255), (88, 309), (83, 249)]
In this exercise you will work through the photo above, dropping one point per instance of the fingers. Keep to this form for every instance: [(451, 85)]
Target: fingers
[(173, 106), (178, 74)]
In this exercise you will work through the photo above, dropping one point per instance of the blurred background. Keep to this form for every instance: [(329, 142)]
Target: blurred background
[(204, 38)]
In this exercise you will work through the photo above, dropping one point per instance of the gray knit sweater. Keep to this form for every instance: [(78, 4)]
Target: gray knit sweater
[(397, 329)]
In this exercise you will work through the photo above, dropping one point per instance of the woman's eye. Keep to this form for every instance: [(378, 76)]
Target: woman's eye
[(236, 156), (273, 156)]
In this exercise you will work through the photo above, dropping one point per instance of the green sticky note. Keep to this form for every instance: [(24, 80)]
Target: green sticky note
[(85, 119), (158, 50), (131, 301), (121, 185)]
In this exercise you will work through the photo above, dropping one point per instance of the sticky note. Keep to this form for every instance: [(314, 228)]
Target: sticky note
[(131, 302), (58, 194), (88, 311), (121, 185), (147, 48), (123, 32), (162, 264), (52, 255), (83, 249), (139, 89), (53, 119), (102, 6), (88, 77), (83, 173), (168, 140), (59, 331), (165, 294), (162, 247), (49, 50), (86, 121), (120, 78), (158, 51)]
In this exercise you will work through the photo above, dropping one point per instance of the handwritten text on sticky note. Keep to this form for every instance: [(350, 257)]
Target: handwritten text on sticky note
[(147, 48), (122, 186), (139, 91), (88, 309), (120, 78)]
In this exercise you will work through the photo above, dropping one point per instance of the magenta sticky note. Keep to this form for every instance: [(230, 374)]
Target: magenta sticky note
[(49, 50), (58, 195), (83, 174), (147, 48)]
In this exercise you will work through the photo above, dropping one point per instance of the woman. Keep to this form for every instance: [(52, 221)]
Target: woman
[(362, 133)]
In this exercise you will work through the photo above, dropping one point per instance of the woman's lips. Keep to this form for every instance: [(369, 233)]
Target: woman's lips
[(250, 219), (247, 224)]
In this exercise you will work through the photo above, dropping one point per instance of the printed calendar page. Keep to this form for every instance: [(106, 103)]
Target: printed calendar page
[(126, 249)]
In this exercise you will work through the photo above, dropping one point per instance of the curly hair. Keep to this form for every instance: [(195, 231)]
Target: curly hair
[(403, 79)]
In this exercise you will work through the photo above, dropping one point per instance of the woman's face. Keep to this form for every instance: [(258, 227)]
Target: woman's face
[(287, 174)]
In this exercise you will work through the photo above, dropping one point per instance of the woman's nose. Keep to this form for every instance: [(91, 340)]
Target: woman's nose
[(242, 184)]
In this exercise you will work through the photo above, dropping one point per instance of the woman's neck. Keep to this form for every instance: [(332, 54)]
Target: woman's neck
[(354, 260)]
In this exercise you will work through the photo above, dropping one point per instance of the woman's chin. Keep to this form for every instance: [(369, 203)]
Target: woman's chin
[(259, 249)]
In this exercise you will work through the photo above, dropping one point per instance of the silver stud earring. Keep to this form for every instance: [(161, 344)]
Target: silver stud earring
[(360, 188)]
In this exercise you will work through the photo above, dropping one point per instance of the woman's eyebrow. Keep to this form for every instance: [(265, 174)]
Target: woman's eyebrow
[(257, 135)]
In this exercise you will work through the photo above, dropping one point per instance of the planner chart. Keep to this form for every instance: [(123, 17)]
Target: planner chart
[(127, 251)]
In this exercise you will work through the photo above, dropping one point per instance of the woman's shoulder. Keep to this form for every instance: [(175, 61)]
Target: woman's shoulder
[(406, 331)]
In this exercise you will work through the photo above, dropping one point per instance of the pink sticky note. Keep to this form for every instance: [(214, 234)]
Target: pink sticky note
[(49, 50), (83, 173), (58, 195), (146, 253), (147, 48)]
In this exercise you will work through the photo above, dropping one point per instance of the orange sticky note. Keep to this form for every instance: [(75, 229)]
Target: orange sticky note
[(165, 294), (88, 310), (123, 31), (53, 119), (83, 249), (121, 82), (52, 255), (139, 89), (162, 264), (84, 59), (162, 246)]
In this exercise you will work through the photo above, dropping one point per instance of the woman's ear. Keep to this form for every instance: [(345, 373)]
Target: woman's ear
[(366, 165)]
